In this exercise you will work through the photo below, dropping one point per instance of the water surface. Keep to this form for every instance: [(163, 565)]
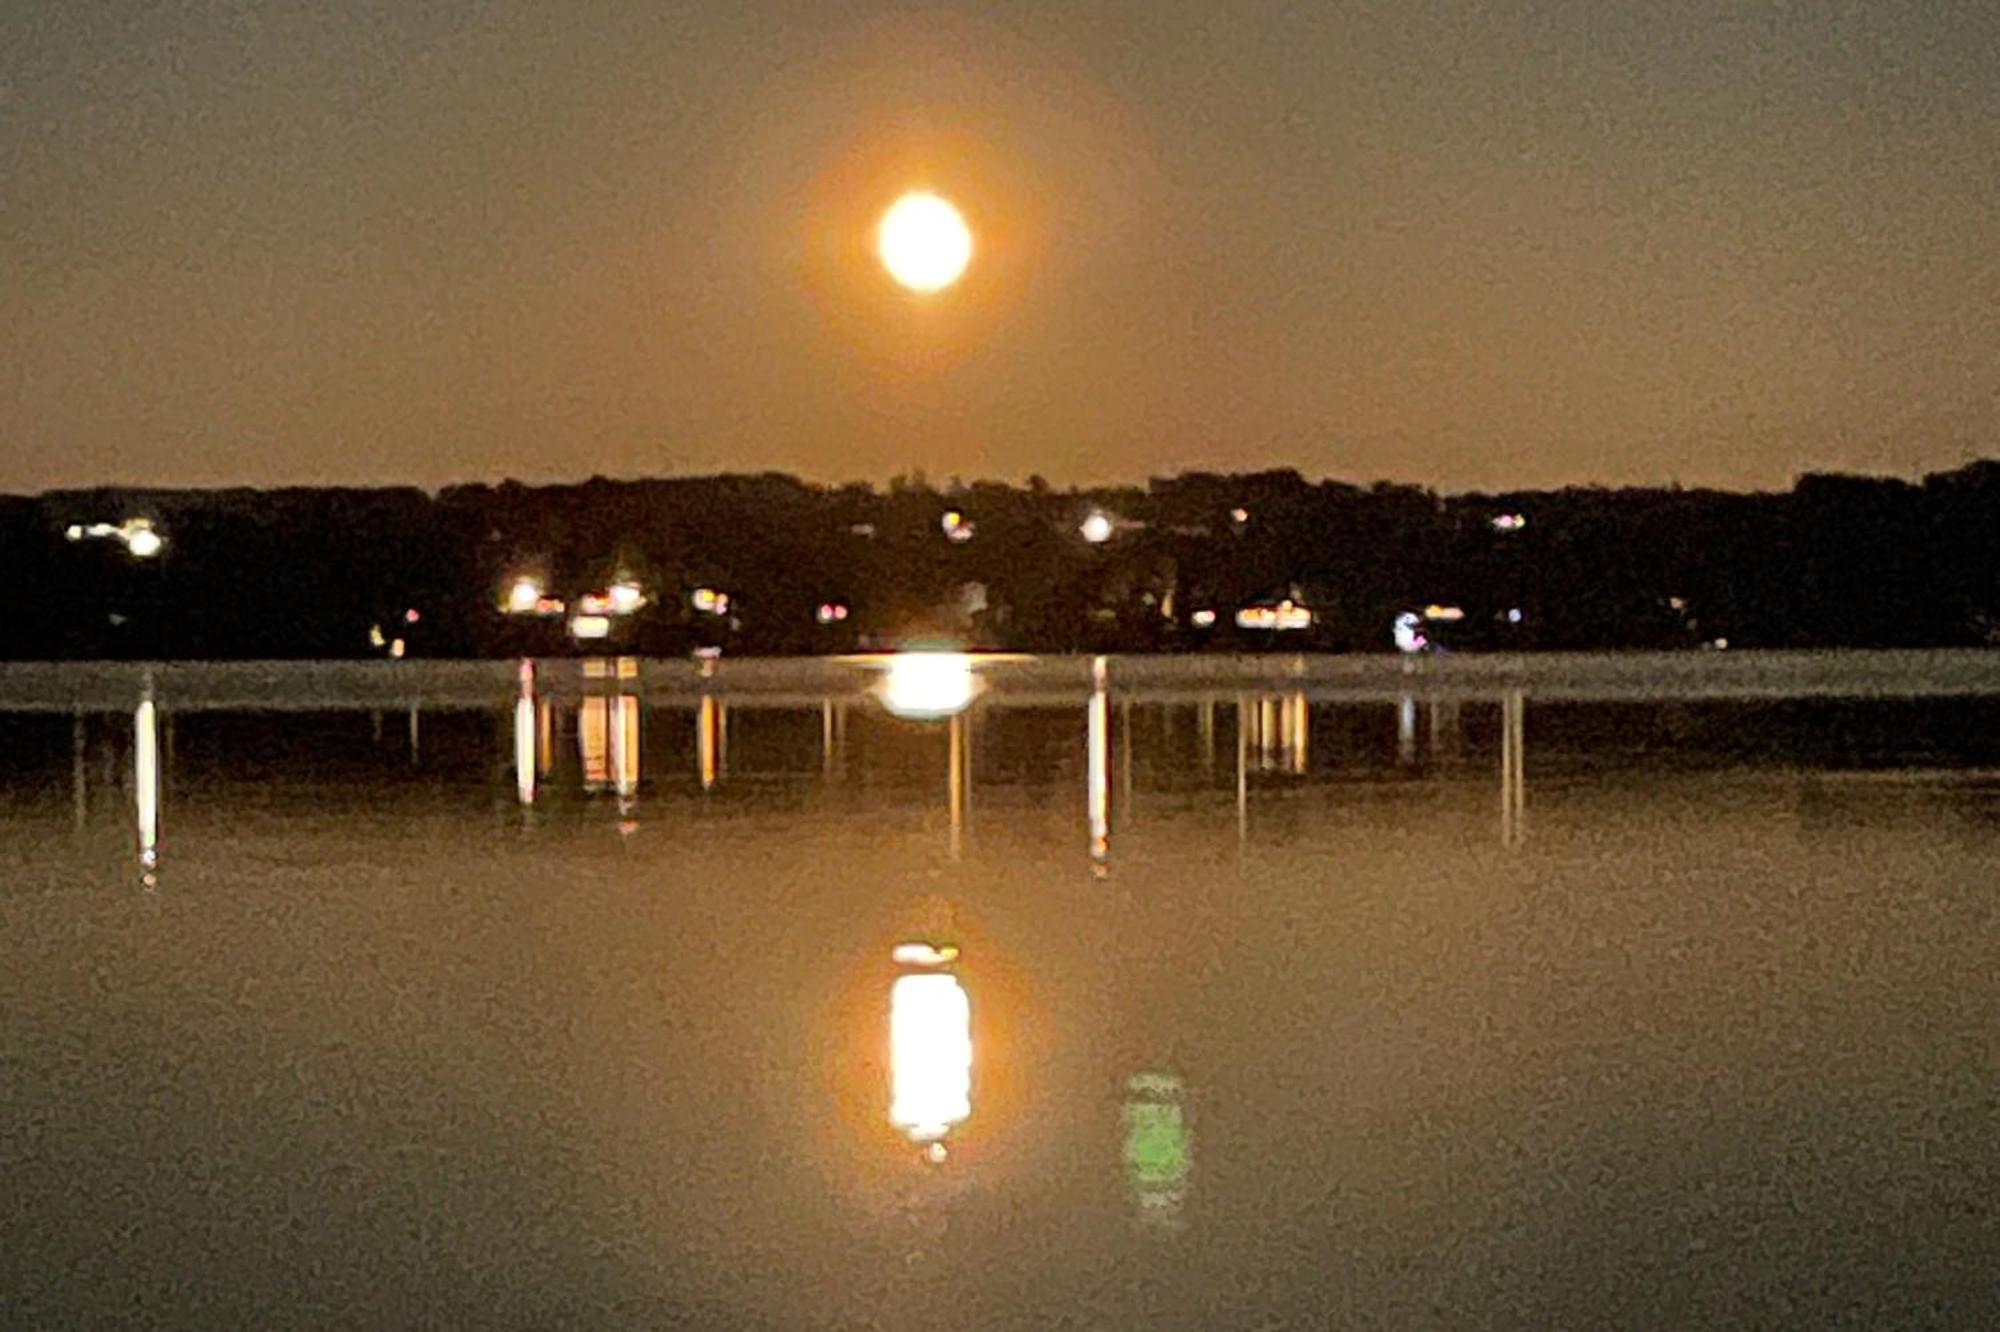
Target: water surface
[(1286, 1009)]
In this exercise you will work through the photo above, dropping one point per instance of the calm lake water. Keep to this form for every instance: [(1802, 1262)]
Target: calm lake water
[(1289, 1000)]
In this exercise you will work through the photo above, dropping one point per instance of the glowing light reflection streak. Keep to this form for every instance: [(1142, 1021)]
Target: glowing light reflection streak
[(146, 784), (1513, 768), (708, 725), (1159, 1147), (955, 782), (625, 744), (1299, 741), (930, 1055), (525, 735), (1098, 777), (592, 742)]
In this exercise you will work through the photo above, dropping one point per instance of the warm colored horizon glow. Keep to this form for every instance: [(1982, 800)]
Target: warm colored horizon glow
[(924, 242)]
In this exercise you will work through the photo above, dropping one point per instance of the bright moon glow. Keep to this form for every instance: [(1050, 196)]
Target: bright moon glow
[(924, 242)]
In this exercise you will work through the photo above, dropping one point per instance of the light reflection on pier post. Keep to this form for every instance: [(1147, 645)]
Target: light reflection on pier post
[(1513, 767), (1298, 739), (146, 788), (707, 729), (1406, 730), (1206, 726), (1280, 729), (79, 782), (524, 744), (1242, 770), (1097, 778), (593, 742), (1445, 735), (957, 781), (625, 747), (545, 738), (1124, 749), (826, 738)]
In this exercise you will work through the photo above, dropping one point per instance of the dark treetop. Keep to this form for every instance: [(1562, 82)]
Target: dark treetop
[(1838, 561)]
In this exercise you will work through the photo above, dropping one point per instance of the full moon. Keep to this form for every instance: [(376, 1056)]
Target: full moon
[(924, 242)]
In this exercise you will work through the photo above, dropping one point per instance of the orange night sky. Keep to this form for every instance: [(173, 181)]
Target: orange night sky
[(1465, 245)]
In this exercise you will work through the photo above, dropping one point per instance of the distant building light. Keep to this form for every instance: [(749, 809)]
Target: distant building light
[(861, 529), (1514, 615), (411, 616), (621, 598), (589, 626), (1677, 603), (137, 533), (1720, 644), (375, 638), (1510, 522), (1408, 631), (396, 648), (1448, 614), (550, 606), (1239, 516), (831, 612), (957, 527), (1284, 616), (1097, 527), (1202, 619), (709, 601), (524, 597)]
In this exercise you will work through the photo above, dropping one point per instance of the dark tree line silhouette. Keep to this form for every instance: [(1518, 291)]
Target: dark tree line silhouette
[(1837, 561)]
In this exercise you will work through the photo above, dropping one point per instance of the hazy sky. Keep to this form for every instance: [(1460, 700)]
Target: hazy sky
[(1459, 242)]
